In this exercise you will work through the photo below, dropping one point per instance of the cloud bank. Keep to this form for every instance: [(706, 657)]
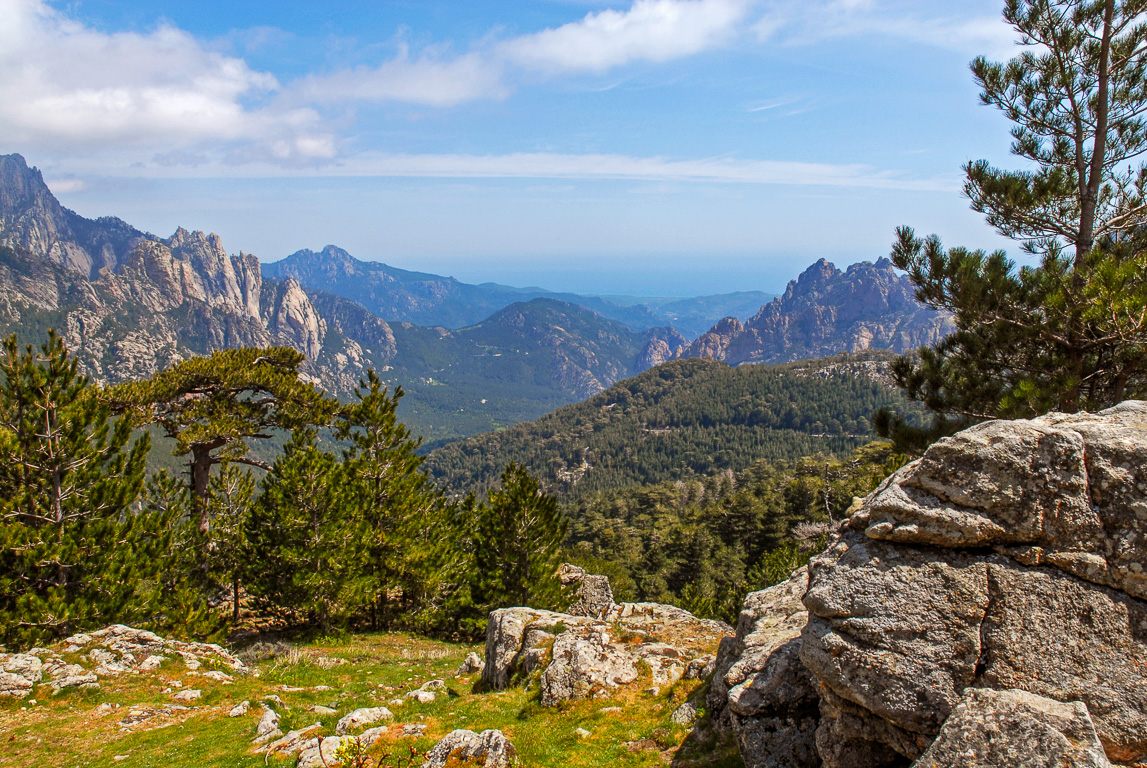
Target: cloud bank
[(66, 86), (167, 100)]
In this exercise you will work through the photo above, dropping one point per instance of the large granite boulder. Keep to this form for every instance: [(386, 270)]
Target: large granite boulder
[(986, 605), (1010, 556), (581, 657)]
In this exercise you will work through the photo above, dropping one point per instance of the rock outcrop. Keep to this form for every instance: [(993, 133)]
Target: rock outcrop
[(108, 652), (986, 600), (581, 657), (760, 689)]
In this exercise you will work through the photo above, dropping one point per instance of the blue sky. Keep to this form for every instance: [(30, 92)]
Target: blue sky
[(659, 147)]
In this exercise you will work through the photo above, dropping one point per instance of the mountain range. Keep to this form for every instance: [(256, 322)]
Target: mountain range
[(399, 295), (471, 358)]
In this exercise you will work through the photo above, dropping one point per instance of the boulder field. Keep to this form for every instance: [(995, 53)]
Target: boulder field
[(985, 605)]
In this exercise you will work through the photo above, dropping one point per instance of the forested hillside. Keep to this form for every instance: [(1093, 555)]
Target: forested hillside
[(686, 417), (705, 542)]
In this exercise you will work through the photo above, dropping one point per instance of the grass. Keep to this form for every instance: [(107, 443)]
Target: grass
[(84, 728)]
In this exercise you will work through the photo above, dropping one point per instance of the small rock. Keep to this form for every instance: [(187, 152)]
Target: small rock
[(684, 714), (319, 709), (413, 729), (119, 758), (221, 677), (152, 662), (421, 696), (239, 709), (609, 709), (397, 702), (190, 695), (361, 717), (319, 752), (701, 667), (268, 723), (322, 688), (292, 742), (653, 691), (582, 733), (490, 749), (472, 664)]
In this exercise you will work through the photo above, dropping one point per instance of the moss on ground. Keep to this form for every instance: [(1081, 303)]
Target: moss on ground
[(86, 728)]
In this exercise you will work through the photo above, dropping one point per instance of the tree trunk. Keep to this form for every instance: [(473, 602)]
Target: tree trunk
[(1090, 198), (235, 599), (201, 461)]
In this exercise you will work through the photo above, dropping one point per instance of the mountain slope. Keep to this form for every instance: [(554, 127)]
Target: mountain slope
[(824, 312), (684, 417), (519, 363)]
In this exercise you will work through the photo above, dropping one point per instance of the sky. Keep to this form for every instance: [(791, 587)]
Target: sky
[(646, 147)]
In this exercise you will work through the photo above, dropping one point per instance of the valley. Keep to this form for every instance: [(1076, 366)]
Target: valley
[(470, 358)]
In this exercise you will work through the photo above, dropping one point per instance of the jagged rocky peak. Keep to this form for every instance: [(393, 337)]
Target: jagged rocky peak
[(813, 279), (331, 259), (824, 312), (32, 218), (220, 279), (661, 344)]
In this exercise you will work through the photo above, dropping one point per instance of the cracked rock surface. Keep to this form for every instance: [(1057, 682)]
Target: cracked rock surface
[(1009, 556), (985, 605)]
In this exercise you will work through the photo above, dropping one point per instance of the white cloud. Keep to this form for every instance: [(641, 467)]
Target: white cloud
[(815, 21), (651, 30), (426, 80), (66, 186), (66, 85), (548, 165)]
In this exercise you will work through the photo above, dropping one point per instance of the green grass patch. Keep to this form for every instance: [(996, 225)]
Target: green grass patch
[(132, 714)]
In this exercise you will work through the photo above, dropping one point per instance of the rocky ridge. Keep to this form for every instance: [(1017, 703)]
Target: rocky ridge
[(824, 312), (985, 603)]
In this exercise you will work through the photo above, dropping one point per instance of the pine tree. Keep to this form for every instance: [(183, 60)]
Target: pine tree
[(71, 552), (212, 406), (185, 589), (302, 534), (1070, 333), (518, 533), (404, 545), (230, 499)]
